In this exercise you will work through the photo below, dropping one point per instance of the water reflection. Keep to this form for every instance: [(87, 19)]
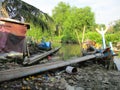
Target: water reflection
[(68, 51)]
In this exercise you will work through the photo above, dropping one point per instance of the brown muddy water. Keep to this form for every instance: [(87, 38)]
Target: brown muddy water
[(89, 75)]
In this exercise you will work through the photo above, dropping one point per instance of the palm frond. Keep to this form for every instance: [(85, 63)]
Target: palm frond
[(18, 8)]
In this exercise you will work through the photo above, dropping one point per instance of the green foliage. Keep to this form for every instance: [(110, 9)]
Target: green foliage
[(93, 36), (60, 13), (116, 25), (99, 26), (113, 37), (98, 38), (68, 19), (69, 39), (79, 18), (35, 32)]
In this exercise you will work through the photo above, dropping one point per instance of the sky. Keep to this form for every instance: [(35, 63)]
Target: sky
[(106, 11)]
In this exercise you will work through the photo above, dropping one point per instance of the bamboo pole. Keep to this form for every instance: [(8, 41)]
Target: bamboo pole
[(78, 40), (83, 34), (77, 37)]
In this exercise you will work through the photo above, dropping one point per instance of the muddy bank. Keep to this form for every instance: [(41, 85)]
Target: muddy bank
[(88, 77)]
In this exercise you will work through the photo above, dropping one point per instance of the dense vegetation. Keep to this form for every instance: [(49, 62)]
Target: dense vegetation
[(71, 21), (66, 23)]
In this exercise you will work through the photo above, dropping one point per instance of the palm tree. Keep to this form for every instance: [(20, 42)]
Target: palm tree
[(17, 9)]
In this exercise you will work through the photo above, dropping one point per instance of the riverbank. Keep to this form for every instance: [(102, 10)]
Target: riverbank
[(89, 76)]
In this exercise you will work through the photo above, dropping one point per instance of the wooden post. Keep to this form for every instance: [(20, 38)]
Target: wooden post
[(77, 37), (78, 40), (83, 34)]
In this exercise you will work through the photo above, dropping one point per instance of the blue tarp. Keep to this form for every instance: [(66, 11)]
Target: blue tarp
[(45, 45)]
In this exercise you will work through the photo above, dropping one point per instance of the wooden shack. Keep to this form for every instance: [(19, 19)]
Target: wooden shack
[(12, 35)]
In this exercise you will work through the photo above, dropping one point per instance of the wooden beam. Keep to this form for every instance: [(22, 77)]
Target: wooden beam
[(36, 58), (25, 71)]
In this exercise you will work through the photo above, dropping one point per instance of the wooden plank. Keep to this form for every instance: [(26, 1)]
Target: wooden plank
[(36, 58), (25, 71)]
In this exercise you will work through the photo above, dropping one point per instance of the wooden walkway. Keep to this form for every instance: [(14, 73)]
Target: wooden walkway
[(25, 71)]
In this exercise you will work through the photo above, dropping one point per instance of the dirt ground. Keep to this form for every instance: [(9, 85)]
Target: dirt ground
[(89, 76)]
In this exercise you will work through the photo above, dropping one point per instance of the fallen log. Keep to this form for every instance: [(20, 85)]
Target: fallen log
[(36, 58), (25, 71)]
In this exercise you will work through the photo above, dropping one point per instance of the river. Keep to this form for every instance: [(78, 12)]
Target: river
[(68, 51)]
